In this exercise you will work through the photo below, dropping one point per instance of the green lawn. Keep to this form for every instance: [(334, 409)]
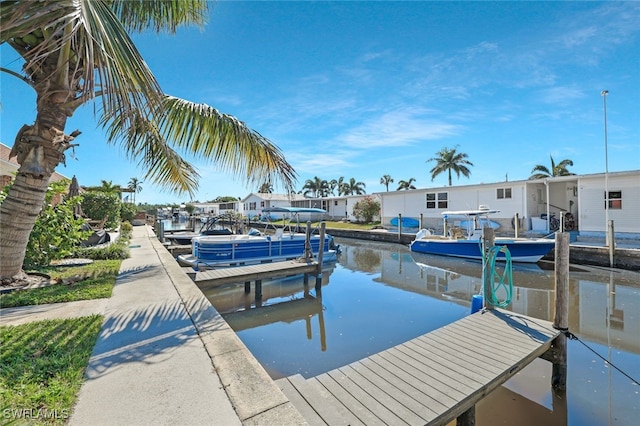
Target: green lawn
[(42, 367)]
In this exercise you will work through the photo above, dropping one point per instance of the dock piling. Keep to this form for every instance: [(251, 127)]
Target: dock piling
[(488, 241), (561, 317)]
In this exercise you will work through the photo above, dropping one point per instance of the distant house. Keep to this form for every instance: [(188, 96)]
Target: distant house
[(254, 203), (533, 200)]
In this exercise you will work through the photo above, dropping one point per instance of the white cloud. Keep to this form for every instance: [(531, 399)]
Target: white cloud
[(397, 128)]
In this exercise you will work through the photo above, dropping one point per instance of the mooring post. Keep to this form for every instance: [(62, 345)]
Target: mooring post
[(308, 252), (516, 225), (421, 221), (488, 241), (611, 243), (323, 227), (561, 317), (399, 226), (161, 231)]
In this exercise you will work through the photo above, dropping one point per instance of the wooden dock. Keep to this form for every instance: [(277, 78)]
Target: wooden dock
[(432, 379), (243, 274)]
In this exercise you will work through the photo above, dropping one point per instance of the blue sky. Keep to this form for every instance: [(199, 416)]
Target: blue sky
[(364, 89)]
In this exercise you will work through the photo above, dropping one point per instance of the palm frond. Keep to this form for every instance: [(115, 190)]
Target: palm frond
[(224, 140), (160, 15), (82, 47)]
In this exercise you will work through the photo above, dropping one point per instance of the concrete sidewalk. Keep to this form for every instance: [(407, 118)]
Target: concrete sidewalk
[(164, 354)]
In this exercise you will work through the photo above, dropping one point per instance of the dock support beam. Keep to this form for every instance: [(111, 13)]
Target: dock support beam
[(468, 418), (258, 289)]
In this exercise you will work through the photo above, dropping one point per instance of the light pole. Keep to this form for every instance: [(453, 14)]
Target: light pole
[(604, 94)]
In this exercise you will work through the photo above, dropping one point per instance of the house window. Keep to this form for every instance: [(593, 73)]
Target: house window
[(615, 200), (252, 206), (504, 193), (335, 202), (439, 200), (262, 204)]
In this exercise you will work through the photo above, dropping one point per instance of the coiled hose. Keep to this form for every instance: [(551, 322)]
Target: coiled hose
[(496, 280)]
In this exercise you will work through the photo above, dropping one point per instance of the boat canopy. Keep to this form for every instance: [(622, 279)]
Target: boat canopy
[(293, 210)]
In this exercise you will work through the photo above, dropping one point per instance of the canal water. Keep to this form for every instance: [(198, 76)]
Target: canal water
[(379, 295)]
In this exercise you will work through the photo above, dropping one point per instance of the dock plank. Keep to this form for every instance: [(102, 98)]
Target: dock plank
[(354, 405), (385, 413), (433, 378), (300, 403), (331, 409), (406, 400)]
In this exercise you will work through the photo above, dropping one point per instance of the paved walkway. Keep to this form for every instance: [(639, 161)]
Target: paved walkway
[(164, 354)]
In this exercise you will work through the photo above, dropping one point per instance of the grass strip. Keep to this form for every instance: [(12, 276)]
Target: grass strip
[(42, 365), (92, 281)]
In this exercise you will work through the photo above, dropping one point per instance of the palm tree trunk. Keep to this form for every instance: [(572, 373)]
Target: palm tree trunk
[(39, 149), (18, 213)]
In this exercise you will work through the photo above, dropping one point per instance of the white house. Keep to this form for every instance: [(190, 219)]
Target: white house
[(582, 196), (341, 207)]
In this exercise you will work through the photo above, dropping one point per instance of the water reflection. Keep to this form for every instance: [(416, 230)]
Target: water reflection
[(380, 295)]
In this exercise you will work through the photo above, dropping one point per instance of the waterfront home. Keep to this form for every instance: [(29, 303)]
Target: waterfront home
[(535, 202)]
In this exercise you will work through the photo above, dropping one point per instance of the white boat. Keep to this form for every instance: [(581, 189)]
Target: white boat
[(209, 251), (466, 243)]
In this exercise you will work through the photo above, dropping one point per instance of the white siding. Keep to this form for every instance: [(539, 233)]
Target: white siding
[(592, 216)]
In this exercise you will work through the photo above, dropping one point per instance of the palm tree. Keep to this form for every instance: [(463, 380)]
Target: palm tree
[(386, 180), (316, 188), (560, 169), (352, 187), (134, 185), (449, 159), (78, 52), (106, 186), (406, 184), (266, 188), (336, 184)]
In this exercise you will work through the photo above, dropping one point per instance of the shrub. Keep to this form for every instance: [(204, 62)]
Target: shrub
[(57, 232), (128, 212), (366, 209), (97, 205)]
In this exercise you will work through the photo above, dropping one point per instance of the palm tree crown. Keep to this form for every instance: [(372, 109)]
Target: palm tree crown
[(134, 185), (540, 171), (353, 187), (406, 184), (316, 188), (448, 159), (386, 180)]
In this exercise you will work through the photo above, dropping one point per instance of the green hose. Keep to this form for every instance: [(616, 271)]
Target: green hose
[(497, 280)]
